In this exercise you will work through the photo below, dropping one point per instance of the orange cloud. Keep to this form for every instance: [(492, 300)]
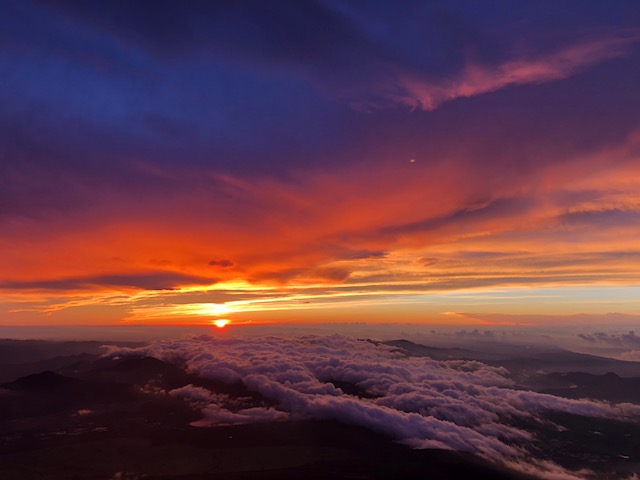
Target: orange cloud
[(387, 227)]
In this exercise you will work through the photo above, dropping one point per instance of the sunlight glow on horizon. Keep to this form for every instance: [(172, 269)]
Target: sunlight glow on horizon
[(221, 322), (425, 307)]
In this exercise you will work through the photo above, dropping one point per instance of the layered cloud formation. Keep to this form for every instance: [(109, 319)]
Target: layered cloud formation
[(361, 150), (460, 405)]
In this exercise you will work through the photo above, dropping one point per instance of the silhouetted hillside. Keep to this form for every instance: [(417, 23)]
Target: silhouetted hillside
[(609, 387)]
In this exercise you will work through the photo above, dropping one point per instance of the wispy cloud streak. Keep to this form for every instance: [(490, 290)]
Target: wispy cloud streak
[(417, 91)]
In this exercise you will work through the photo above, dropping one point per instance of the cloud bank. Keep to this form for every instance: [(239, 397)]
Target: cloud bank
[(459, 405), (629, 339)]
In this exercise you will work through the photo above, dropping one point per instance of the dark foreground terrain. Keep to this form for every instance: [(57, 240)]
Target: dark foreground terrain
[(283, 450)]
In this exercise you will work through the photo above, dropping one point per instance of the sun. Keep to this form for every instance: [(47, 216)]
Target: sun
[(220, 323)]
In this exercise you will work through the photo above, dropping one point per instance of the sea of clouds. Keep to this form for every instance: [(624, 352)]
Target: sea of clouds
[(457, 404)]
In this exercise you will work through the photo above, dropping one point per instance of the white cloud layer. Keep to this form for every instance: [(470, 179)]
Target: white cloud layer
[(459, 405)]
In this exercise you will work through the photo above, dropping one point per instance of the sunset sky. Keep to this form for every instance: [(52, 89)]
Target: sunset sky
[(452, 162)]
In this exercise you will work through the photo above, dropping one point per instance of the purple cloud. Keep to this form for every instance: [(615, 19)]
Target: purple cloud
[(144, 281), (222, 263)]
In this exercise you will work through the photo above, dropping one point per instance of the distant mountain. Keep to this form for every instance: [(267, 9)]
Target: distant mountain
[(27, 351), (437, 353), (23, 357), (609, 387), (12, 371), (48, 392), (525, 360), (46, 381), (563, 361)]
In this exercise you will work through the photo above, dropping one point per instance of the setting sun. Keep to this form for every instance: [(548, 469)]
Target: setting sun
[(220, 323)]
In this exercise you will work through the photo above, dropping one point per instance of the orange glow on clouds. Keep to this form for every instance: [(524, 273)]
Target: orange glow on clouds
[(329, 244), (397, 226)]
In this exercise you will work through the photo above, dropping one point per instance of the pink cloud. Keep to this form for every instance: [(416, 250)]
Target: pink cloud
[(415, 90)]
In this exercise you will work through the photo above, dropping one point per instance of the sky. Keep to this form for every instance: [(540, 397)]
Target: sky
[(442, 162)]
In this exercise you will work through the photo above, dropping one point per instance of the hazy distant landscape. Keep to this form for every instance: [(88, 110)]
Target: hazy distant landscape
[(313, 407)]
